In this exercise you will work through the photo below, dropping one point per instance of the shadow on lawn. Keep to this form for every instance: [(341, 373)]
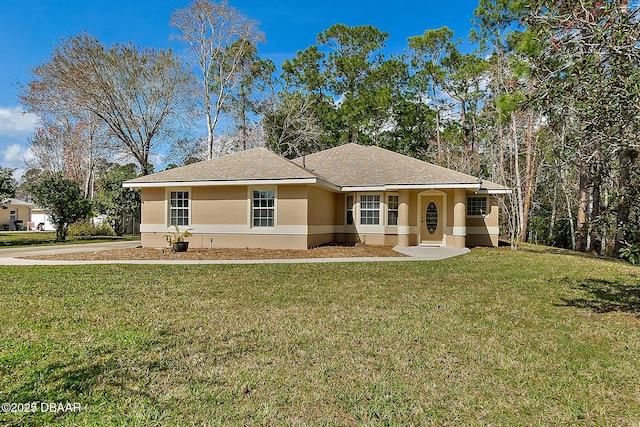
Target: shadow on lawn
[(55, 381), (606, 296), (75, 380)]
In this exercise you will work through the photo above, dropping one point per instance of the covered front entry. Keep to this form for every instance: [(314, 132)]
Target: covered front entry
[(432, 216)]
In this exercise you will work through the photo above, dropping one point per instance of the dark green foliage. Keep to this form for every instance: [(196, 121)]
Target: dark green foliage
[(631, 253), (61, 199), (7, 185), (584, 61), (354, 92), (115, 201)]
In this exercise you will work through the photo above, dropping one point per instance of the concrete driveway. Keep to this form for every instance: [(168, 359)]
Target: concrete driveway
[(11, 256), (8, 255)]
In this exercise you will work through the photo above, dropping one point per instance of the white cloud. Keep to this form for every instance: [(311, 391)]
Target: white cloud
[(14, 121), (13, 154)]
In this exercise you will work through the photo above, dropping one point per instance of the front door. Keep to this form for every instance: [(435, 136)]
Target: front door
[(431, 219)]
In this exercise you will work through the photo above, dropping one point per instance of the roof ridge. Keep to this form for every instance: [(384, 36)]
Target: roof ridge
[(422, 161), (304, 168)]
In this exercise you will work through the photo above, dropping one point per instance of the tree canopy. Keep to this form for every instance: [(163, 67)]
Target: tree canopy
[(61, 200)]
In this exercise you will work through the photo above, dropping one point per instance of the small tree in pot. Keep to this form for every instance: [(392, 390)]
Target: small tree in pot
[(176, 239)]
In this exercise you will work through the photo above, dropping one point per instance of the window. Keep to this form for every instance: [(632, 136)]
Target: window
[(431, 217), (369, 209), (392, 207), (349, 210), (476, 206), (264, 208), (179, 210), (13, 215)]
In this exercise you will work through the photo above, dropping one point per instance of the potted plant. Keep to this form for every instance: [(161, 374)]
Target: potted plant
[(176, 239)]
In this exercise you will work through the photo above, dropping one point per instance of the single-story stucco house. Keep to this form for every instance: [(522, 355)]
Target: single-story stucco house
[(350, 193), (15, 214)]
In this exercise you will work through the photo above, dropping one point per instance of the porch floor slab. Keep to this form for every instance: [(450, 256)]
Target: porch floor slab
[(431, 253)]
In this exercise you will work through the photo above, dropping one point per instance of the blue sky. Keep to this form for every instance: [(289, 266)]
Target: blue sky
[(29, 30)]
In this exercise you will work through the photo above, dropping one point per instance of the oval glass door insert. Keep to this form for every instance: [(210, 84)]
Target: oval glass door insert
[(432, 217)]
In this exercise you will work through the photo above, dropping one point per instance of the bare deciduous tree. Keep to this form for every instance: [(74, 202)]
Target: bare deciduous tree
[(292, 128), (138, 94), (211, 30), (72, 145)]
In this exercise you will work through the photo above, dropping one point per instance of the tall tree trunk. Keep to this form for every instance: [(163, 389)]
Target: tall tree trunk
[(594, 233), (566, 191), (463, 123), (210, 126), (515, 171), (434, 98), (583, 201), (529, 171), (554, 208), (625, 161)]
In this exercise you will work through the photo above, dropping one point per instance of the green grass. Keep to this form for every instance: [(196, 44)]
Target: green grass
[(28, 238), (491, 338)]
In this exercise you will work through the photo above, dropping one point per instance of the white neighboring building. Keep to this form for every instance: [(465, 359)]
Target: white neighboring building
[(38, 216)]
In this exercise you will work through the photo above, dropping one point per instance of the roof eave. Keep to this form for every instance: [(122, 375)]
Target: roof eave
[(493, 191), (204, 183), (476, 188), (467, 186)]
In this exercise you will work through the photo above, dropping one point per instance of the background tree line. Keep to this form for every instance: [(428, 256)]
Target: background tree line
[(548, 105)]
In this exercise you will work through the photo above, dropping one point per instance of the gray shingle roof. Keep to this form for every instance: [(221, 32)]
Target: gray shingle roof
[(349, 165), (18, 202), (254, 164), (353, 165)]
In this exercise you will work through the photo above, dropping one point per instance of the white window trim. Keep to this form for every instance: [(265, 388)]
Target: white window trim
[(487, 204), (250, 191), (353, 209), (167, 210), (386, 202), (381, 210)]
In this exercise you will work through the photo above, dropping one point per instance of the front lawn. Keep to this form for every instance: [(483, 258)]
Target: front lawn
[(32, 238), (494, 337)]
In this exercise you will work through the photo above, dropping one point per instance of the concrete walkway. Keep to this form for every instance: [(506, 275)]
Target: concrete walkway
[(11, 256)]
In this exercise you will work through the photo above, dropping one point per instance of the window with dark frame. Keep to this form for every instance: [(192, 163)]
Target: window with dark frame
[(476, 206), (349, 210)]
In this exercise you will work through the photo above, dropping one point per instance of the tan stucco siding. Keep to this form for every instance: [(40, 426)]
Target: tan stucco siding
[(340, 213), (482, 240), (153, 206), (292, 205), (413, 209), (22, 212), (220, 205), (306, 216), (483, 231), (450, 207), (204, 240), (319, 239), (321, 207)]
